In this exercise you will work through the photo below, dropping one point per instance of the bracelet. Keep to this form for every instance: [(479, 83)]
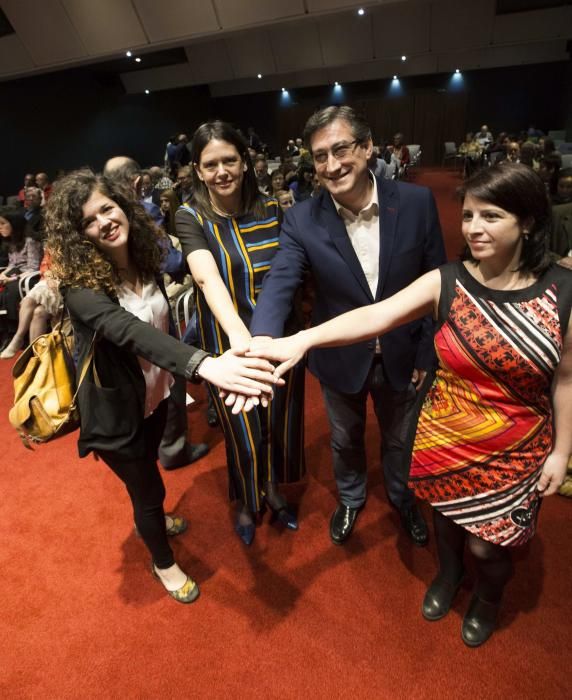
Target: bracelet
[(195, 376)]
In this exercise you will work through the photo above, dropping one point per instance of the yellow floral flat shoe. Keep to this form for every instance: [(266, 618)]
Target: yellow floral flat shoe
[(187, 593), (174, 525)]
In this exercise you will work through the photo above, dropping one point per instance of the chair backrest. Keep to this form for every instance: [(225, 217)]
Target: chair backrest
[(450, 148), (414, 153), (565, 147), (184, 306), (13, 201), (494, 156), (559, 134), (567, 160)]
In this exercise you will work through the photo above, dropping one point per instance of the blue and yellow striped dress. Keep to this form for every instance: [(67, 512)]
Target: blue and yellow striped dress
[(265, 444)]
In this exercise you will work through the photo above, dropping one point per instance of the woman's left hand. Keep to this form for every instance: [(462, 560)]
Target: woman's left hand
[(553, 474)]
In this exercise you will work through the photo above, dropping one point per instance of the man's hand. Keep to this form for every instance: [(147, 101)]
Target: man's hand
[(566, 262)]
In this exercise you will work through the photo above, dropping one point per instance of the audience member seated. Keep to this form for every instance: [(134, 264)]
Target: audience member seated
[(291, 148), (29, 181), (43, 182), (184, 184), (33, 211), (24, 255), (36, 308), (301, 187), (472, 152), (168, 204), (549, 170), (263, 179), (527, 155), (561, 233), (563, 187), (401, 154), (316, 185), (285, 199), (160, 180), (277, 182), (149, 194), (513, 152), (484, 137)]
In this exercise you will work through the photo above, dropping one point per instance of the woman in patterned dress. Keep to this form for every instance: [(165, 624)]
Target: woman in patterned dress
[(229, 234), (494, 429)]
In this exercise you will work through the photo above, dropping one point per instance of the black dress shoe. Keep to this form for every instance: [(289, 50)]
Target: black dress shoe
[(414, 525), (479, 622), (439, 598), (193, 452), (212, 418), (342, 523)]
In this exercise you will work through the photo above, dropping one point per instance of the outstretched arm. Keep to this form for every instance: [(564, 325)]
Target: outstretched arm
[(418, 299)]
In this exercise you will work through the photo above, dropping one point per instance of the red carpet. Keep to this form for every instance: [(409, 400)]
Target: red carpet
[(291, 617)]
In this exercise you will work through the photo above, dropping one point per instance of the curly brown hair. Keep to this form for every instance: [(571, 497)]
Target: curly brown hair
[(75, 260)]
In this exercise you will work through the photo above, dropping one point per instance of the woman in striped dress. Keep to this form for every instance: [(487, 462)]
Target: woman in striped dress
[(494, 430), (229, 234)]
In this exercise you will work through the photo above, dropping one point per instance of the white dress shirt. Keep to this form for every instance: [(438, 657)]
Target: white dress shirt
[(151, 307)]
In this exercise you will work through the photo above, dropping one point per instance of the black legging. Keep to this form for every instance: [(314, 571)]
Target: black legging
[(493, 562), (146, 490)]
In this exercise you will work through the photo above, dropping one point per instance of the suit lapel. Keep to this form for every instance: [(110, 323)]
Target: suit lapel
[(388, 211), (334, 224)]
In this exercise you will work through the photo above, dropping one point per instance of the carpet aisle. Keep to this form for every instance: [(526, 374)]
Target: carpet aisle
[(291, 617)]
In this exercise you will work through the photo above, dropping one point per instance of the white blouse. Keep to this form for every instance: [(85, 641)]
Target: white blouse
[(151, 307)]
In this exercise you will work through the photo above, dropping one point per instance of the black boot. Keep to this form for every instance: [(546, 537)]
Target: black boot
[(439, 598), (479, 622)]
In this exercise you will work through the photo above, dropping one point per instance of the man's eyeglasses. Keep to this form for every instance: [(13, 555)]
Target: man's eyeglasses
[(339, 152)]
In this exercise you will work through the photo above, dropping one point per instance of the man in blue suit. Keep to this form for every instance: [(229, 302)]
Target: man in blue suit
[(362, 239)]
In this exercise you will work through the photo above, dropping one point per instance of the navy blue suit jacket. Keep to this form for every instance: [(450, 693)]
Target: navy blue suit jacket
[(313, 237)]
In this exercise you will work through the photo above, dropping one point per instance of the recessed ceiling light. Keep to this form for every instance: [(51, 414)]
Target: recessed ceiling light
[(361, 11), (395, 77), (283, 89), (259, 76), (128, 54), (337, 84), (137, 60), (404, 58), (147, 92), (457, 70)]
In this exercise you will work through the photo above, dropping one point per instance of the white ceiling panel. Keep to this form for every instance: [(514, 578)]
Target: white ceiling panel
[(154, 79), (497, 56), (13, 56), (296, 46), (233, 14), (46, 31), (171, 19), (531, 26), (106, 25), (346, 39), (458, 25), (209, 61), (272, 82), (388, 42), (331, 5), (251, 54)]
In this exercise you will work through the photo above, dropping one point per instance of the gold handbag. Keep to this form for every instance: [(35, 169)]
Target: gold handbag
[(45, 389)]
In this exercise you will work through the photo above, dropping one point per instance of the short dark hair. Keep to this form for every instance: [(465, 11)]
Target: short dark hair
[(251, 198), (516, 188), (16, 219), (359, 126)]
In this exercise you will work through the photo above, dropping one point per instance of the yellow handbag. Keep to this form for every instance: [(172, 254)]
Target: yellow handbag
[(45, 389)]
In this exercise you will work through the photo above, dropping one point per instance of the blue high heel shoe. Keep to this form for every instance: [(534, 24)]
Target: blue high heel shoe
[(245, 532), (283, 515)]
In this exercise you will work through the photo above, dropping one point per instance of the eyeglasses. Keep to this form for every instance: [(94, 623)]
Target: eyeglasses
[(339, 152)]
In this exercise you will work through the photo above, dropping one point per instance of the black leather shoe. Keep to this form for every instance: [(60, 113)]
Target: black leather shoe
[(439, 598), (342, 523), (212, 418), (414, 525), (479, 622), (193, 452)]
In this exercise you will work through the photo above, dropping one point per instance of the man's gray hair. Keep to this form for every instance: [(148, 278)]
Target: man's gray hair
[(360, 128)]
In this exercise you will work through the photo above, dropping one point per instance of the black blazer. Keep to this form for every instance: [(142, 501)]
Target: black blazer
[(111, 415), (313, 237)]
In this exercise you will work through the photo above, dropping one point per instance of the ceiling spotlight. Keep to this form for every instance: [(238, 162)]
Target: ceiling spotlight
[(395, 77), (137, 60), (361, 12), (259, 76), (404, 58), (128, 54), (147, 92), (283, 89), (337, 84), (457, 70)]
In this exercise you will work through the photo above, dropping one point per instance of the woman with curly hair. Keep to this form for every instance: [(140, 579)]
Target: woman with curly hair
[(494, 435), (24, 255), (105, 254)]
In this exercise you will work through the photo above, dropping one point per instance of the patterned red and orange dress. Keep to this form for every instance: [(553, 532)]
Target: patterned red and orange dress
[(485, 428)]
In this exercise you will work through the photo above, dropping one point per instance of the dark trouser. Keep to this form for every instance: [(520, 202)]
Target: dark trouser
[(146, 490), (173, 445), (10, 303), (347, 414)]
